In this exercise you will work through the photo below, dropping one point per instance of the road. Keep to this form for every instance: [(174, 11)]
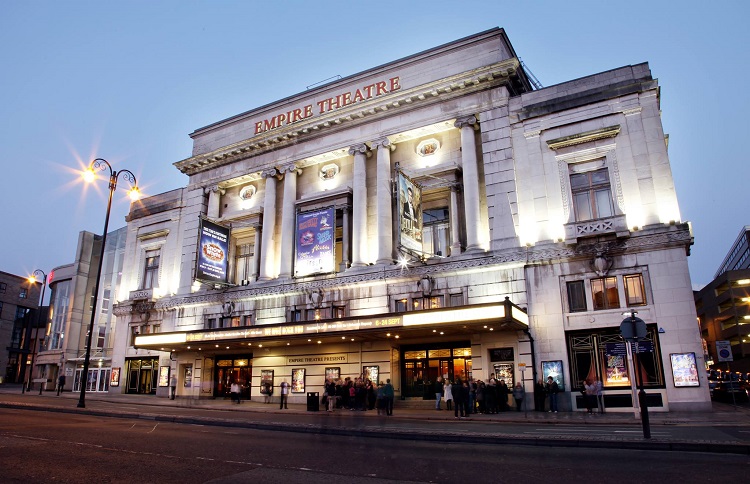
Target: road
[(70, 448)]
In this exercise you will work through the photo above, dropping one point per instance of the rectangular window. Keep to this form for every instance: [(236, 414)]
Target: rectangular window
[(295, 315), (457, 300), (634, 290), (100, 337), (339, 311), (247, 320), (22, 293), (401, 305), (211, 323), (592, 195), (576, 296), (3, 287), (151, 270), (436, 231), (243, 262), (604, 293), (133, 333)]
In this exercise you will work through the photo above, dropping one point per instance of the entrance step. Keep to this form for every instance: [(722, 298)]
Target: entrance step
[(417, 403)]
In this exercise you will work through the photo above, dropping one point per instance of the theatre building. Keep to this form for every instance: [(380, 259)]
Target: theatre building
[(436, 216)]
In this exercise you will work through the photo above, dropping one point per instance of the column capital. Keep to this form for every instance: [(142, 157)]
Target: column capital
[(360, 148), (465, 121), (213, 189), (383, 143), (270, 172), (290, 168)]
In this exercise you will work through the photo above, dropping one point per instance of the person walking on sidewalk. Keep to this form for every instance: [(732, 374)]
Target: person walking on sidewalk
[(284, 395), (235, 391), (60, 383), (438, 392)]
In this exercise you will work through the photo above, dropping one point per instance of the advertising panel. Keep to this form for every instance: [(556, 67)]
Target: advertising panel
[(684, 370), (213, 252), (410, 213), (315, 242), (554, 369), (298, 380)]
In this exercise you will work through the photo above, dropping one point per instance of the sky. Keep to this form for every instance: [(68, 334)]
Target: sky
[(128, 82)]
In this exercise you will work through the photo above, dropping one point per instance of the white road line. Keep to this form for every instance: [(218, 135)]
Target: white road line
[(152, 429)]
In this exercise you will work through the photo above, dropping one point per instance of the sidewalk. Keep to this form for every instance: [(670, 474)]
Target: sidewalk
[(412, 423)]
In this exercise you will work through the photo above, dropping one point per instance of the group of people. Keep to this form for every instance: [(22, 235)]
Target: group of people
[(359, 394), (477, 396), (592, 395)]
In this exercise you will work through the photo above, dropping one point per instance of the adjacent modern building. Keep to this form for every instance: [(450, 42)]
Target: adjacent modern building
[(435, 216), (723, 308), (19, 318)]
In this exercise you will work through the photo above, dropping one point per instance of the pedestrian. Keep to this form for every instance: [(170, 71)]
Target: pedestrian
[(502, 396), (380, 399), (284, 395), (540, 395), (331, 395), (459, 408), (472, 407), (448, 395), (267, 392), (599, 395), (235, 392), (60, 384), (480, 397), (173, 386), (518, 395), (438, 392), (388, 395), (589, 390), (552, 389)]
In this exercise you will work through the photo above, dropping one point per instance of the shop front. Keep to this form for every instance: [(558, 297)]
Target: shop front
[(230, 369), (141, 375), (423, 364)]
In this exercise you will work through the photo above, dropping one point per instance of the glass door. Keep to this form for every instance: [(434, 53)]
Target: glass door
[(414, 379)]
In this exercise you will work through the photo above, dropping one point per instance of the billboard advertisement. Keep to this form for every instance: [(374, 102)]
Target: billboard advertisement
[(213, 253), (410, 213), (315, 241)]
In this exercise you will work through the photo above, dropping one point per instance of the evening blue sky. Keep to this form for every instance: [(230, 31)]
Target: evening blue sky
[(128, 81)]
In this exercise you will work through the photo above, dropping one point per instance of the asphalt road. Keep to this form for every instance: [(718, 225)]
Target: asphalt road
[(69, 448)]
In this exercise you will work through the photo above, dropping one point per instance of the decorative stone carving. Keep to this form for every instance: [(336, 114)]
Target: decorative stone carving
[(465, 121)]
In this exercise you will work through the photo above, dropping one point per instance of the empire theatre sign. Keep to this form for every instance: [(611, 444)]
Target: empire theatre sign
[(333, 103)]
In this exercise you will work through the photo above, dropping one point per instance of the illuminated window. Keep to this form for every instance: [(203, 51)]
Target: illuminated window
[(22, 293), (634, 290), (339, 311), (592, 195), (401, 305), (436, 231), (295, 315), (151, 270), (243, 261), (576, 296), (604, 293)]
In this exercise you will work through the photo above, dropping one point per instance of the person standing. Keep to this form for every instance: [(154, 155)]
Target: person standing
[(61, 383), (518, 395), (173, 386), (552, 389), (284, 395), (502, 395), (599, 395), (438, 392), (235, 392), (589, 396), (540, 395), (388, 395), (459, 410), (448, 395)]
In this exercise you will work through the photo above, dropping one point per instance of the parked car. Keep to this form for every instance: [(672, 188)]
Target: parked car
[(730, 392)]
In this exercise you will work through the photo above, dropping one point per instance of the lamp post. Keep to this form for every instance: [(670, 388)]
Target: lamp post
[(89, 175), (633, 329), (32, 279)]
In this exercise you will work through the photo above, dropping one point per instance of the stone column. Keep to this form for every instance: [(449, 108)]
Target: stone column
[(288, 212), (345, 239), (256, 251), (455, 220), (359, 206), (214, 201), (471, 181), (384, 204), (268, 256)]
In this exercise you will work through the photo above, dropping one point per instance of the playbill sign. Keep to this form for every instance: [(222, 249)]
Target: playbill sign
[(314, 242), (213, 247)]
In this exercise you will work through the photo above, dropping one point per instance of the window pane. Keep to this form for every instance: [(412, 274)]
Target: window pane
[(604, 293), (582, 206), (613, 297), (604, 203), (576, 296), (580, 180), (599, 177), (401, 305), (634, 291)]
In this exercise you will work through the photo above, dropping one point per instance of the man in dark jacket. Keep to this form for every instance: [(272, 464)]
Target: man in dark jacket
[(459, 399)]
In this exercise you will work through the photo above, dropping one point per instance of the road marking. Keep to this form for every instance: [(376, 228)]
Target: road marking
[(153, 429)]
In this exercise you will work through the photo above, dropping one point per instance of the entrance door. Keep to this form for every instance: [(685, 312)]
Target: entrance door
[(414, 379)]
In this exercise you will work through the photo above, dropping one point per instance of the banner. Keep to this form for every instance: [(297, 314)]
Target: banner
[(315, 240), (410, 213), (213, 252)]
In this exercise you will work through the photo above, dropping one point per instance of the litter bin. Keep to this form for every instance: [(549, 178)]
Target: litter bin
[(313, 401)]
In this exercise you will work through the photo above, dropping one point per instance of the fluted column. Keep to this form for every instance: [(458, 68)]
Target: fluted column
[(290, 173), (384, 208), (345, 239), (471, 181), (267, 256), (359, 206), (214, 201), (455, 220)]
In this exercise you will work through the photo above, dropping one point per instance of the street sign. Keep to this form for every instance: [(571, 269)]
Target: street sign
[(522, 367), (724, 351), (616, 349), (619, 349), (633, 328)]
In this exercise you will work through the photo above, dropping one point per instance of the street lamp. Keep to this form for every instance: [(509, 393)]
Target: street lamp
[(634, 329), (89, 175), (33, 280)]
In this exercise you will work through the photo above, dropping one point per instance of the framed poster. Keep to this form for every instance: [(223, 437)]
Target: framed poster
[(554, 369), (213, 248), (266, 382), (163, 376), (616, 372), (371, 373), (114, 379), (315, 242), (188, 376), (504, 371), (333, 373), (684, 370), (298, 380), (410, 213)]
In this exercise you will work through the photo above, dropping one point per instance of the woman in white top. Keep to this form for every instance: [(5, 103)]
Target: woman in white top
[(448, 395)]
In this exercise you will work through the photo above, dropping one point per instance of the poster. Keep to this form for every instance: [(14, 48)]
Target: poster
[(554, 369), (684, 370), (266, 382), (188, 379), (371, 373), (298, 380), (333, 373), (315, 241), (114, 380), (163, 376), (504, 371), (617, 371), (213, 250), (410, 213)]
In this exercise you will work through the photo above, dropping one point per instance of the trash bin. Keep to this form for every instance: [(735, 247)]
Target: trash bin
[(313, 401)]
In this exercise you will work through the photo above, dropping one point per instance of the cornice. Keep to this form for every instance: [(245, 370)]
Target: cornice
[(587, 137), (405, 99)]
